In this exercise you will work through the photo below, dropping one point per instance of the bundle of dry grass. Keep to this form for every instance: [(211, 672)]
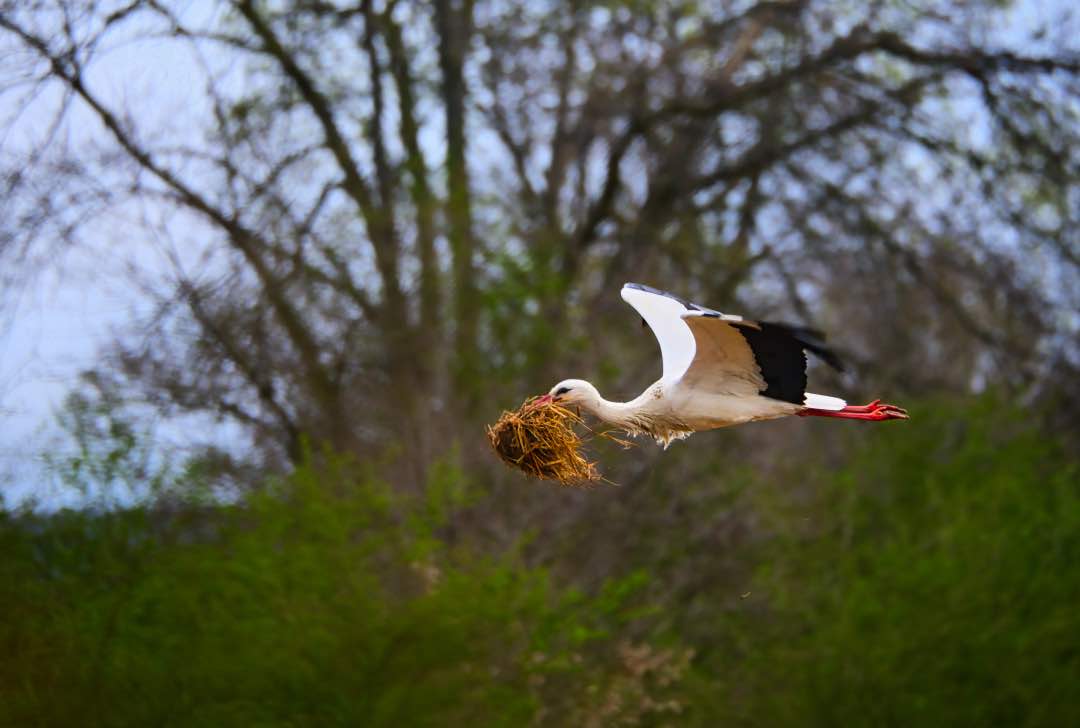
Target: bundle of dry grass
[(539, 439)]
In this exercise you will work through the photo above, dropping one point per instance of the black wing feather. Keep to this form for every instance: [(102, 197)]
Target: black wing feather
[(781, 359), (811, 340)]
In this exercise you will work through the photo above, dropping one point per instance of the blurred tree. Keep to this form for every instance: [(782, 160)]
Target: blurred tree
[(392, 215), (111, 461)]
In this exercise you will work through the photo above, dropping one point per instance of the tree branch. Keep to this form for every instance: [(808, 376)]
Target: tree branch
[(724, 95), (379, 226), (601, 207), (416, 164), (243, 239), (454, 28)]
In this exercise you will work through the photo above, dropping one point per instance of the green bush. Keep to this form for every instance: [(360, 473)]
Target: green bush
[(325, 600), (931, 581), (926, 575)]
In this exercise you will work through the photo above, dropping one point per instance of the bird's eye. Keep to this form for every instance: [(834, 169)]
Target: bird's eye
[(561, 390)]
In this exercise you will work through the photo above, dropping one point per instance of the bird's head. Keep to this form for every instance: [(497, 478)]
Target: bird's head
[(574, 392)]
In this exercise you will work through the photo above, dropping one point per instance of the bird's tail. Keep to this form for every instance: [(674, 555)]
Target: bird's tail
[(824, 402)]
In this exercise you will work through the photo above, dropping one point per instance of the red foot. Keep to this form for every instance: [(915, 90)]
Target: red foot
[(874, 411)]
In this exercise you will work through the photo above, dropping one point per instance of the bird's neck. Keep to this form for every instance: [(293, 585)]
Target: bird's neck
[(619, 414)]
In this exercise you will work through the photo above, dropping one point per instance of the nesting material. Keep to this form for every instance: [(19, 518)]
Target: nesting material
[(540, 440)]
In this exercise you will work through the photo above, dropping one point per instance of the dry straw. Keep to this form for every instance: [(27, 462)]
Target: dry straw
[(539, 439)]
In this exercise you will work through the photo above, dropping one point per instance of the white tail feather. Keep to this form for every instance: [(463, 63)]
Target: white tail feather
[(823, 402)]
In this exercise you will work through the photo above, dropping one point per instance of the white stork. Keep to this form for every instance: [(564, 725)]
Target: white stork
[(718, 370)]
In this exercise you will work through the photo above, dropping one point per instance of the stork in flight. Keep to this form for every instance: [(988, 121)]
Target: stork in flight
[(718, 370)]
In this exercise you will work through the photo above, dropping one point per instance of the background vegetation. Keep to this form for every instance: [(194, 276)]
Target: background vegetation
[(359, 230), (928, 580)]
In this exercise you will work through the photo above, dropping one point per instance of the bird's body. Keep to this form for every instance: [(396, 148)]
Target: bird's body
[(719, 370), (669, 412)]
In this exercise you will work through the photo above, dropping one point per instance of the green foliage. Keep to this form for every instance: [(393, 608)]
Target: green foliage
[(931, 581), (925, 578), (324, 600), (108, 460)]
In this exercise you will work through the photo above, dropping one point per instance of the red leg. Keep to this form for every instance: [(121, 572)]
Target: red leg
[(875, 411)]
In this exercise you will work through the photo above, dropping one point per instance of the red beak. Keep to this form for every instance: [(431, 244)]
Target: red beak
[(545, 399)]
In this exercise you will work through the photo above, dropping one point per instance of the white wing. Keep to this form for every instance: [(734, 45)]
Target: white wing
[(664, 314)]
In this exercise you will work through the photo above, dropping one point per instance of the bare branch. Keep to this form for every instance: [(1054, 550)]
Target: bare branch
[(416, 164), (379, 226), (242, 238)]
